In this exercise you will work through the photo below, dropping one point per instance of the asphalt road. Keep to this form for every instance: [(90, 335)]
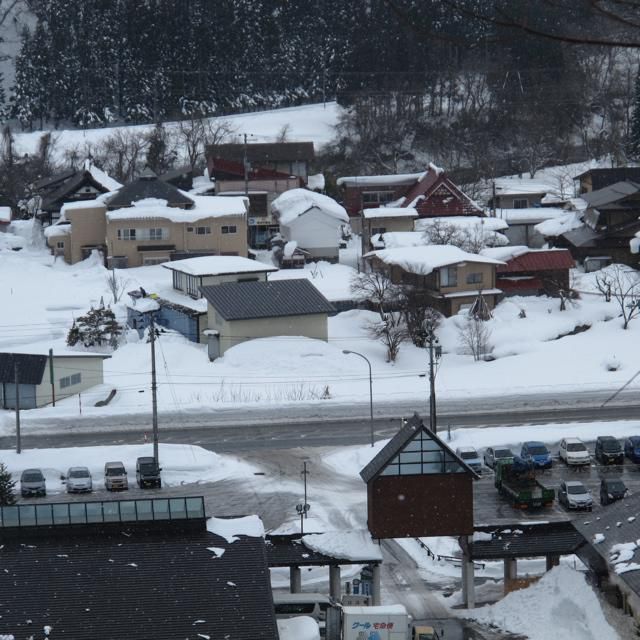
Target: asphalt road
[(243, 437)]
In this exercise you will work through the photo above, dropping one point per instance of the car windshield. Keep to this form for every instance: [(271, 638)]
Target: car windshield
[(538, 450), (617, 487), (576, 446), (32, 477), (148, 467), (468, 455), (502, 453), (576, 489), (115, 471), (79, 473), (611, 445)]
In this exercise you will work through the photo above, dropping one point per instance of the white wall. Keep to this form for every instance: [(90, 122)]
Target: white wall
[(315, 229), (90, 370)]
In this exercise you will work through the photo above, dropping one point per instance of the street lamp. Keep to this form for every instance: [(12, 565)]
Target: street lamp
[(435, 353), (355, 353)]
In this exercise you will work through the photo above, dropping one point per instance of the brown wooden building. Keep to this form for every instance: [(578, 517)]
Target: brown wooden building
[(418, 487)]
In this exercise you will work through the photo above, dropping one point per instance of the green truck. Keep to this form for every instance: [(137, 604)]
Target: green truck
[(518, 482)]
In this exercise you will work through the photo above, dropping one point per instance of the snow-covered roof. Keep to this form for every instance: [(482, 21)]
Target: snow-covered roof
[(515, 185), (390, 212), (316, 182), (143, 305), (205, 207), (505, 253), (395, 239), (557, 226), (231, 528), (424, 260), (531, 215), (5, 214), (201, 184), (57, 230), (354, 545), (101, 177), (218, 265), (296, 202), (388, 180), (81, 204), (463, 222)]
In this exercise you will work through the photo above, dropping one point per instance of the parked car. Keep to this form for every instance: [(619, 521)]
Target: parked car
[(574, 495), (574, 452), (32, 483), (537, 453), (78, 480), (115, 476), (471, 457), (612, 489), (608, 450), (632, 448), (148, 473), (492, 455)]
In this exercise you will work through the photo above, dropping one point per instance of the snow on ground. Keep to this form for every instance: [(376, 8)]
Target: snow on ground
[(306, 123), (298, 628), (181, 463), (560, 605), (42, 296)]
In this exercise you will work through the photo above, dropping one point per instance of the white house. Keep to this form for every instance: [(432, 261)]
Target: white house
[(312, 220)]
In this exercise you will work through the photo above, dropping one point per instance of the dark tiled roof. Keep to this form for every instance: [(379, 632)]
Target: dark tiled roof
[(137, 585), (51, 181), (527, 541), (395, 445), (551, 260), (618, 523), (263, 152), (75, 182), (273, 299), (222, 168), (148, 187), (288, 550), (30, 367), (611, 194), (601, 178)]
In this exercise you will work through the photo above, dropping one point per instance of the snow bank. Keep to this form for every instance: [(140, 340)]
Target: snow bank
[(560, 605), (470, 223), (298, 628), (231, 528), (353, 545)]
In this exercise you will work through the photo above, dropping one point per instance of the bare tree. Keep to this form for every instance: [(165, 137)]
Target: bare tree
[(196, 134), (474, 336), (622, 285), (391, 330), (122, 154), (116, 284), (377, 288)]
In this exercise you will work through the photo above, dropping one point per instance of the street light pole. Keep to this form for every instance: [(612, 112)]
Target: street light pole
[(355, 353), (435, 353), (154, 389)]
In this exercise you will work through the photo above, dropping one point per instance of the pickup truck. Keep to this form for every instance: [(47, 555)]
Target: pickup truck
[(517, 481)]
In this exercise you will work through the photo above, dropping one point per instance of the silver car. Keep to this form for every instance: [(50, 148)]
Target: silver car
[(574, 495), (115, 476), (32, 483), (79, 480)]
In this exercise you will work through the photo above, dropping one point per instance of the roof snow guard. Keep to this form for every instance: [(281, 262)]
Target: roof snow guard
[(400, 455)]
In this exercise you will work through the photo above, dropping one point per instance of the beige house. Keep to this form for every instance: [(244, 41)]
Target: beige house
[(381, 220), (44, 377), (151, 230), (191, 274), (241, 311), (451, 279)]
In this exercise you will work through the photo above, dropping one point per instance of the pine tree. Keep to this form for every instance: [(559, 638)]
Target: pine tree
[(7, 485), (96, 328), (633, 143)]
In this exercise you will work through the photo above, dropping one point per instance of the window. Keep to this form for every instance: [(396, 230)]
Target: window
[(203, 231), (189, 229), (149, 261), (60, 244), (156, 234), (474, 278), (378, 230), (376, 197), (69, 381), (520, 203), (126, 234), (229, 228), (192, 286), (448, 277)]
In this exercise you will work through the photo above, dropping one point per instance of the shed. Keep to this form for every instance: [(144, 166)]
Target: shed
[(40, 376), (240, 311), (418, 487)]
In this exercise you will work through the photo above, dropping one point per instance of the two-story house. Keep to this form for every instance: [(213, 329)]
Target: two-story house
[(149, 221), (449, 278), (261, 172)]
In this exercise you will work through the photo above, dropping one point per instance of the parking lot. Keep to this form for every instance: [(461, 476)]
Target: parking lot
[(492, 508)]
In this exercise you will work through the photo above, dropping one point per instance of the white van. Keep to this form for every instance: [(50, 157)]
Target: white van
[(314, 605)]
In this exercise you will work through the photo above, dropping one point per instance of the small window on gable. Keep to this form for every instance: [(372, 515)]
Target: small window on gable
[(520, 203)]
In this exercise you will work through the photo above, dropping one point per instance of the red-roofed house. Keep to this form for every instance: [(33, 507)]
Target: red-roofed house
[(532, 271), (431, 193)]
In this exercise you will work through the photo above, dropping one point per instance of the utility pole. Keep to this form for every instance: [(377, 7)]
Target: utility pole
[(493, 199), (435, 353), (17, 383), (245, 163), (154, 389), (303, 509), (52, 379)]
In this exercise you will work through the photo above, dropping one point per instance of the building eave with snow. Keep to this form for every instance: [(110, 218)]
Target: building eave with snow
[(449, 278)]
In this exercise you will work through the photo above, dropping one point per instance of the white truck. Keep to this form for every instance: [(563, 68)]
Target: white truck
[(390, 622)]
